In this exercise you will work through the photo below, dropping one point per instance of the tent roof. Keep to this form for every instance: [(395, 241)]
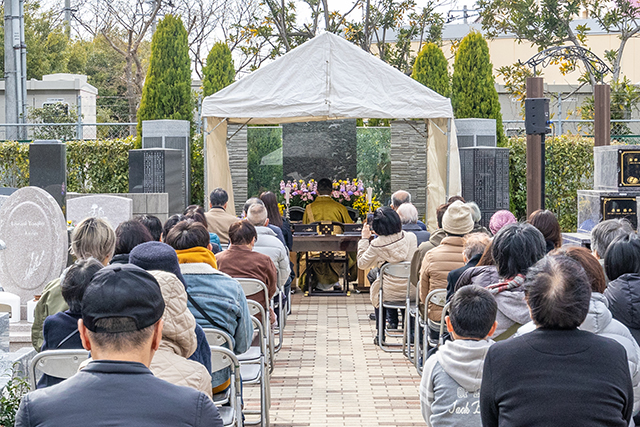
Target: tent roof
[(325, 78)]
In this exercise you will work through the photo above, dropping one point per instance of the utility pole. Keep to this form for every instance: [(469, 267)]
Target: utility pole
[(15, 67), (67, 18)]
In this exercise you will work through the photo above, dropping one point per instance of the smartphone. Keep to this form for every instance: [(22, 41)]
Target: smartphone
[(369, 218)]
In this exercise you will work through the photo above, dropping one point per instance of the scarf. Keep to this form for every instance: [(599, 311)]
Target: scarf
[(507, 285), (197, 254)]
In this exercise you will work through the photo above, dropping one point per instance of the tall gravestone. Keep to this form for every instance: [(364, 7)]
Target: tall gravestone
[(159, 171), (48, 168), (314, 150), (34, 231), (113, 209)]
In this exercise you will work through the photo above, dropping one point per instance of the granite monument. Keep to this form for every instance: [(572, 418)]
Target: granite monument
[(34, 231), (111, 208)]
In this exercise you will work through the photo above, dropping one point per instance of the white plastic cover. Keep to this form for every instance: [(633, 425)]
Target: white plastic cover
[(325, 78)]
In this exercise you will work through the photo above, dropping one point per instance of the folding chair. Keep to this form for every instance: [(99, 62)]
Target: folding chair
[(222, 358), (254, 287), (57, 363), (401, 270), (410, 341), (218, 338), (436, 297), (281, 321), (255, 371)]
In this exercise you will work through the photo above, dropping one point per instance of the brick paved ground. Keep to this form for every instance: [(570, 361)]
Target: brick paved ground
[(329, 373)]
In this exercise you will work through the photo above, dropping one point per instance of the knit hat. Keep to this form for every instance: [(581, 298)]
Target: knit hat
[(156, 256), (500, 219), (457, 219)]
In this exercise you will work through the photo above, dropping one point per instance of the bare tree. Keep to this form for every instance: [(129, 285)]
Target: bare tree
[(125, 25)]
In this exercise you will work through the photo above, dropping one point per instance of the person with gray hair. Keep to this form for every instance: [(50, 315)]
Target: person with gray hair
[(91, 238), (409, 216), (473, 246), (267, 242), (275, 229), (476, 214), (400, 198), (604, 233)]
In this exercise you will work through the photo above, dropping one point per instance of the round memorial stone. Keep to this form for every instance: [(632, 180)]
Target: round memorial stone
[(34, 231)]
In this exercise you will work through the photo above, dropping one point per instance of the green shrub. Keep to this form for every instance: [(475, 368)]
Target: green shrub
[(569, 168), (219, 71), (167, 88), (431, 69), (14, 164), (473, 92), (197, 171)]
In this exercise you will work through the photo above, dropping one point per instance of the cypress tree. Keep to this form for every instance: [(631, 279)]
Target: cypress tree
[(219, 71), (167, 88), (473, 92), (431, 69)]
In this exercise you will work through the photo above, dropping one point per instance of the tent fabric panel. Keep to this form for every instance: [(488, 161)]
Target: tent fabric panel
[(217, 160)]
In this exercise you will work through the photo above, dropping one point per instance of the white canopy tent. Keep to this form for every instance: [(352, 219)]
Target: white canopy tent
[(329, 78)]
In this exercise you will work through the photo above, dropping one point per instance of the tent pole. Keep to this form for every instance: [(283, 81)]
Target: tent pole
[(204, 158), (448, 155)]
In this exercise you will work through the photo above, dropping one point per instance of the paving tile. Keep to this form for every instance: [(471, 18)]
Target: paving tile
[(329, 372)]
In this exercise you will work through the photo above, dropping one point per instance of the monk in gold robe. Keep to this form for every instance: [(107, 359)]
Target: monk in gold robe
[(324, 208)]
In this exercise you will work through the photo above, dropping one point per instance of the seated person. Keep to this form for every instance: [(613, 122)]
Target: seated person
[(179, 340), (129, 234), (500, 219), (476, 214), (196, 213), (604, 233), (451, 378), (217, 300), (152, 256), (547, 222), (240, 261), (92, 237), (218, 219), (398, 199), (391, 246), (267, 243), (473, 247), (60, 330), (153, 224), (409, 216), (434, 240), (121, 326), (556, 375), (324, 208), (274, 228)]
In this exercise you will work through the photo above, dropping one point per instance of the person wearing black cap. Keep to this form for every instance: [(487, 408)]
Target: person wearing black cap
[(121, 325)]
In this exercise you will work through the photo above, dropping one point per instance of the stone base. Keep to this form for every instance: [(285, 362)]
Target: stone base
[(598, 205)]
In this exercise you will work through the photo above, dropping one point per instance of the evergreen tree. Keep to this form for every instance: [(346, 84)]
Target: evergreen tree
[(473, 92), (167, 87), (219, 71), (431, 69)]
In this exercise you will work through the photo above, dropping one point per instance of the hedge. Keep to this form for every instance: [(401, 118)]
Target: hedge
[(100, 166), (569, 168)]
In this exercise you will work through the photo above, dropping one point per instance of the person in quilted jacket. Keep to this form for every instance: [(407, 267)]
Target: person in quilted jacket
[(179, 341)]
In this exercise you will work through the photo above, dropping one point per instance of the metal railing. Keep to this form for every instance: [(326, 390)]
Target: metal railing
[(623, 131), (69, 131)]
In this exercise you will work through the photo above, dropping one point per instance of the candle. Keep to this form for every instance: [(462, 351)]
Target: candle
[(287, 193), (369, 195)]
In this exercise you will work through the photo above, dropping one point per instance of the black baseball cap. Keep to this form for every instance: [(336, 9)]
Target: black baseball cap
[(122, 290)]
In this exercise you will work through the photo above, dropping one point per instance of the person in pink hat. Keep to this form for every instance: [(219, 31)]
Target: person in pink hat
[(500, 219)]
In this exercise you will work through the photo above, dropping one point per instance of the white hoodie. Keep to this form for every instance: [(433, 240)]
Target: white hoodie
[(450, 386)]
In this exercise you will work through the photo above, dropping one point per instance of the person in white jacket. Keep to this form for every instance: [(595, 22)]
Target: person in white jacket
[(268, 243), (599, 320), (451, 379)]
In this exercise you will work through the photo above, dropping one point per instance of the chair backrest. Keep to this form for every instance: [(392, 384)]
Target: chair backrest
[(57, 363), (222, 358), (253, 286), (437, 297), (255, 308), (218, 338), (353, 213), (401, 270), (296, 213)]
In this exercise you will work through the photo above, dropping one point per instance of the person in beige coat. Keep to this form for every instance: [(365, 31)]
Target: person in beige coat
[(447, 256), (179, 341), (392, 245)]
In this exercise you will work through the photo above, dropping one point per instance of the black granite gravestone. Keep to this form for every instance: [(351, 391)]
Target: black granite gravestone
[(48, 168), (485, 179), (159, 170), (319, 150)]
